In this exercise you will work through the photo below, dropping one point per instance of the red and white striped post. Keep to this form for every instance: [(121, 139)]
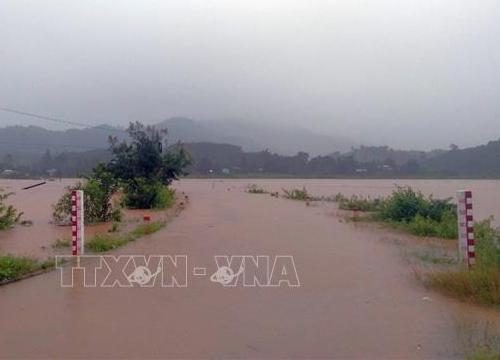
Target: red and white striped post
[(77, 222), (466, 250)]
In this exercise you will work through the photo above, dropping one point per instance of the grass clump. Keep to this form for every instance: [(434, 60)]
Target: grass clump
[(148, 229), (481, 284), (445, 228), (296, 194), (255, 189), (13, 267), (105, 242), (485, 354), (357, 203), (61, 243)]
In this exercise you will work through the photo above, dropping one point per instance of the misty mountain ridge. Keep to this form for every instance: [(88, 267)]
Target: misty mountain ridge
[(285, 140), (282, 140)]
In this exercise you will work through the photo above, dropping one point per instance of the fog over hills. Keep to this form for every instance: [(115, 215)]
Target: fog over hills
[(286, 141), (255, 137)]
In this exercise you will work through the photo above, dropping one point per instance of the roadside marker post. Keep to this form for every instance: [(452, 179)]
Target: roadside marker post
[(466, 242), (77, 222)]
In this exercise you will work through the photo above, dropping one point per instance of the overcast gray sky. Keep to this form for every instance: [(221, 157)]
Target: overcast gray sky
[(408, 73)]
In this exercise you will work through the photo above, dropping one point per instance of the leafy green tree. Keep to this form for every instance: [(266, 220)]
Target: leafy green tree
[(144, 169)]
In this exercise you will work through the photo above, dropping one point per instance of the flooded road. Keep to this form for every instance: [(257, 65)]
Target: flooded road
[(357, 298)]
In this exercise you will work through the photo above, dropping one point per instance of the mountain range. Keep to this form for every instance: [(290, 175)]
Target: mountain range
[(25, 140)]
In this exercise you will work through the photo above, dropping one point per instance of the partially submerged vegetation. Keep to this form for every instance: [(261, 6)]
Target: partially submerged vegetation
[(409, 211), (412, 212), (62, 243), (8, 214), (98, 190), (356, 203), (255, 189), (144, 170), (140, 169), (139, 176), (297, 194), (105, 242), (14, 267), (481, 284)]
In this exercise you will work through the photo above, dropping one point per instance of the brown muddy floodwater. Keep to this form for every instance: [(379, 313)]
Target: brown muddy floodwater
[(36, 205), (357, 297)]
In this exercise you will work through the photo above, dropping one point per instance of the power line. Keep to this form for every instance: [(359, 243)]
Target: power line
[(58, 120)]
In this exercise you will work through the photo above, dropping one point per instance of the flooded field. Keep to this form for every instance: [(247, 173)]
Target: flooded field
[(486, 193), (36, 205), (357, 297)]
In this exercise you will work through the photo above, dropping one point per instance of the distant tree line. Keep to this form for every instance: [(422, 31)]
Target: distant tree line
[(210, 159)]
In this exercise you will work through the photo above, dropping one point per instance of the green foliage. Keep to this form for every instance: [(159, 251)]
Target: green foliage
[(145, 194), (148, 229), (404, 204), (13, 267), (423, 226), (8, 214), (408, 210), (255, 189), (144, 170), (296, 194), (486, 354), (165, 198), (357, 203), (481, 284), (487, 244), (106, 242), (98, 189)]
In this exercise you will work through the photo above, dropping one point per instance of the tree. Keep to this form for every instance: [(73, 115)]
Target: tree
[(144, 169)]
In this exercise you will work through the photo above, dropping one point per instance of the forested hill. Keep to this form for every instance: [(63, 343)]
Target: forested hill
[(479, 161), (38, 152), (475, 162)]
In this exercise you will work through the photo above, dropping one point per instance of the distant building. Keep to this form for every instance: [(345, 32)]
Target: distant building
[(226, 171), (361, 170)]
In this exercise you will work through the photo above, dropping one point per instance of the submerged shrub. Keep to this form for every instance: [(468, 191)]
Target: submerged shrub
[(148, 194), (8, 214), (296, 194), (358, 203), (98, 190), (255, 189), (408, 210)]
